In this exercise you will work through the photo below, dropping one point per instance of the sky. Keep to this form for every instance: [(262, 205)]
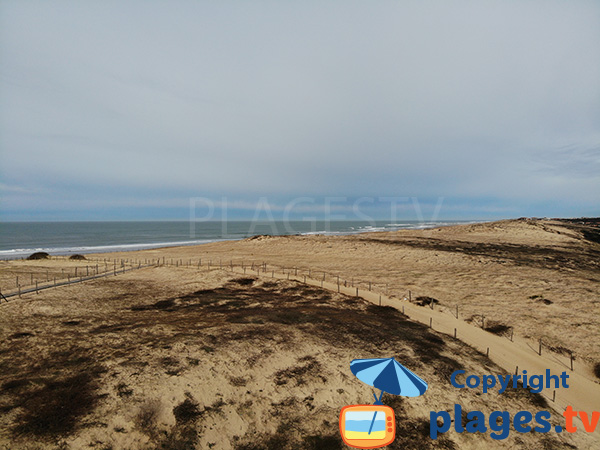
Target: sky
[(122, 110)]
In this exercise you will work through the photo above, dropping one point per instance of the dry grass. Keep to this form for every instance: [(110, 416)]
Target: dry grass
[(540, 277), (175, 359)]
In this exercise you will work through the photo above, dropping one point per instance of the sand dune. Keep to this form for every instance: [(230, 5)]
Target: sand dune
[(186, 357), (541, 277), (180, 358)]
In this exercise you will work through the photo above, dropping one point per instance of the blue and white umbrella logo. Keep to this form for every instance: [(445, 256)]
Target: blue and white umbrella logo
[(388, 375)]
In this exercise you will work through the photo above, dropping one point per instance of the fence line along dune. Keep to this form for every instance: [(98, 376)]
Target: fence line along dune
[(540, 278)]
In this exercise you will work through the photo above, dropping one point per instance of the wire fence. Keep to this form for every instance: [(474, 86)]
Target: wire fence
[(95, 268)]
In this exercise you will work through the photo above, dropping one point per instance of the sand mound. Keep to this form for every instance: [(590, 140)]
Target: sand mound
[(169, 358), (38, 255)]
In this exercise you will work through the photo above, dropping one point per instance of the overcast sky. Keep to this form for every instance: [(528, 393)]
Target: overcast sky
[(127, 109)]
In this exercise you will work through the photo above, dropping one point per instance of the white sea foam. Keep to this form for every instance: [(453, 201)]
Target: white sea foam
[(21, 252)]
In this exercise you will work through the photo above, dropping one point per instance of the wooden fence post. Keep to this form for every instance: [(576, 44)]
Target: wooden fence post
[(455, 333), (430, 322), (457, 311), (540, 348), (36, 287), (571, 360)]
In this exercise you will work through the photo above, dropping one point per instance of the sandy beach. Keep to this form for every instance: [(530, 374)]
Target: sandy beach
[(236, 345)]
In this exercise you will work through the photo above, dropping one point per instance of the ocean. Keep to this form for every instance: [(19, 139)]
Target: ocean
[(20, 239)]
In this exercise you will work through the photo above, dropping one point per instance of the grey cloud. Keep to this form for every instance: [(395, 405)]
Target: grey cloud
[(344, 98)]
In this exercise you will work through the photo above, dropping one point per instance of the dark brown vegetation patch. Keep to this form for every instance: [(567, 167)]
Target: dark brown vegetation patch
[(426, 301), (51, 393), (38, 255), (187, 411), (597, 369), (244, 281), (161, 304), (560, 349), (77, 257), (575, 257), (541, 299), (57, 406), (20, 334), (498, 328), (123, 390)]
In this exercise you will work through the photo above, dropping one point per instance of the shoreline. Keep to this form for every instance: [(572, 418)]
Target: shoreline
[(22, 253)]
